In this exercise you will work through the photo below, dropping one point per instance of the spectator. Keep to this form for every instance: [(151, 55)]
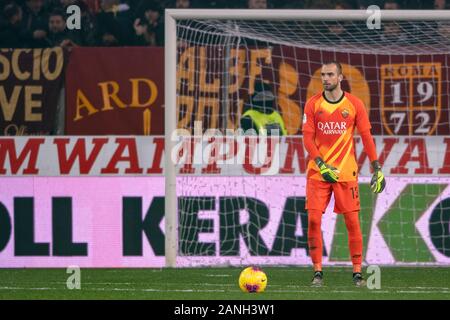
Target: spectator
[(392, 31), (342, 5), (440, 4), (56, 28), (337, 32), (182, 4), (12, 35), (257, 4), (218, 4), (391, 5), (443, 30), (393, 34), (364, 4), (66, 3), (148, 27), (35, 23), (318, 4), (51, 5), (297, 4), (114, 27), (57, 32), (86, 35)]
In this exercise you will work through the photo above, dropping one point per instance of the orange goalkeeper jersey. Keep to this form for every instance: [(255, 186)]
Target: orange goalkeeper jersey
[(333, 125)]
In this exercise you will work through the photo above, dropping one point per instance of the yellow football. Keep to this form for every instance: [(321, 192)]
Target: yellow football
[(252, 280)]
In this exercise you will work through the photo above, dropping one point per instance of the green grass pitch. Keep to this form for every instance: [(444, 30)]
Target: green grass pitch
[(221, 284)]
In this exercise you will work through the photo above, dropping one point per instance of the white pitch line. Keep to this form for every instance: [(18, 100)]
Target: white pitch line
[(420, 288), (311, 290), (115, 289), (17, 288), (440, 288), (152, 290), (182, 290), (421, 291), (300, 287)]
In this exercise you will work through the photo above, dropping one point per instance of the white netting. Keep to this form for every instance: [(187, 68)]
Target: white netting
[(399, 37), (230, 212)]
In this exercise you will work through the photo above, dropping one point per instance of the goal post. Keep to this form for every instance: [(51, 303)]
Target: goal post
[(170, 94), (416, 115)]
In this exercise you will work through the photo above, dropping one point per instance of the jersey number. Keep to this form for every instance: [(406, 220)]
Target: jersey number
[(354, 192)]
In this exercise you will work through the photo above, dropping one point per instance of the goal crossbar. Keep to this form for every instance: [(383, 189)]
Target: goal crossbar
[(309, 15)]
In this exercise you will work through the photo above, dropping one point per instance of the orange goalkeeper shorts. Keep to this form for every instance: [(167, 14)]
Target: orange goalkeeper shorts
[(346, 195)]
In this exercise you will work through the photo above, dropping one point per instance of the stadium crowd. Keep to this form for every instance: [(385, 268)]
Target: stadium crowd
[(42, 23)]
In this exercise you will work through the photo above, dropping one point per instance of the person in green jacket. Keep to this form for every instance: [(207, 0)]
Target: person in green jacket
[(260, 112)]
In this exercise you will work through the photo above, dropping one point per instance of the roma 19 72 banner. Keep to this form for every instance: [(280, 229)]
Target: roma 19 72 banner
[(30, 84)]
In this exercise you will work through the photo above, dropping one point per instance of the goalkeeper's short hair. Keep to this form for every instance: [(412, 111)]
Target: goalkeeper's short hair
[(336, 63)]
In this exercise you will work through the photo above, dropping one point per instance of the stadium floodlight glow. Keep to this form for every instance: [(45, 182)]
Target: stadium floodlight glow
[(227, 29)]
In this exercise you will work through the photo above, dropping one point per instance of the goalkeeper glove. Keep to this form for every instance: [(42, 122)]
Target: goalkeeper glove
[(378, 182), (329, 173)]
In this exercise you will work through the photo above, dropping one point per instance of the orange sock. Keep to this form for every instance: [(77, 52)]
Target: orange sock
[(355, 241), (315, 238), (317, 266)]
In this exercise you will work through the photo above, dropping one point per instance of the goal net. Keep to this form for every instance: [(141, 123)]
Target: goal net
[(235, 198)]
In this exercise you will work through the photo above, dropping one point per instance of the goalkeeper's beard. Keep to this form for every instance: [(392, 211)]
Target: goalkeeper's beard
[(330, 87)]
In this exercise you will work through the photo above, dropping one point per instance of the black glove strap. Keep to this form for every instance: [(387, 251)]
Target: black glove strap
[(319, 161)]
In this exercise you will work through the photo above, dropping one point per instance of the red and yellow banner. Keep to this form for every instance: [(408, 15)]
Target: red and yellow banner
[(115, 91)]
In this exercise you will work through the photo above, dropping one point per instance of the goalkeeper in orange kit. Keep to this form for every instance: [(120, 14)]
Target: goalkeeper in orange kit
[(329, 122)]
